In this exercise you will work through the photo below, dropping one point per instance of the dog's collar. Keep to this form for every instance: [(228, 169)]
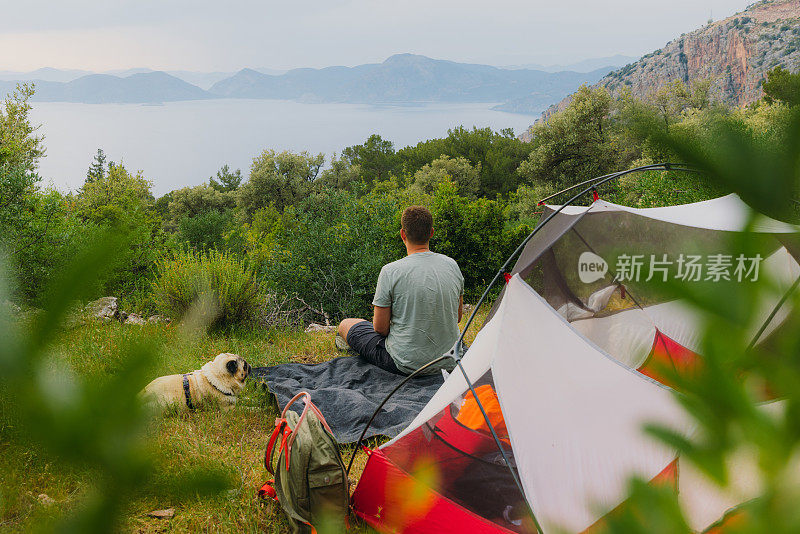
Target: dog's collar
[(226, 393), (186, 393)]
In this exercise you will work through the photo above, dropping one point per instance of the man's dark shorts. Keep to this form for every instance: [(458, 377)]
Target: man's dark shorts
[(371, 346)]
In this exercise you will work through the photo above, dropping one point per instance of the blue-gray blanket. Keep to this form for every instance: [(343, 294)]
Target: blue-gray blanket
[(348, 390)]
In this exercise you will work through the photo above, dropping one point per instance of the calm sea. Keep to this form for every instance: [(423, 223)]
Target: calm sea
[(183, 143)]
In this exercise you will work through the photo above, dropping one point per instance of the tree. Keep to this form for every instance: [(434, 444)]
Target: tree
[(276, 178), (474, 233), (116, 198), (496, 154), (575, 144), (226, 180), (206, 230), (97, 169), (19, 144), (193, 201), (376, 158), (672, 100), (122, 202), (782, 86), (342, 175), (458, 170)]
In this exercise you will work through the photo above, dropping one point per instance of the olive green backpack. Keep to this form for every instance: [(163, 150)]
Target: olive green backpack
[(310, 481)]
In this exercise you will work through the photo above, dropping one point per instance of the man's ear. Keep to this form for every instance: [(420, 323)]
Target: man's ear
[(429, 237), (402, 234)]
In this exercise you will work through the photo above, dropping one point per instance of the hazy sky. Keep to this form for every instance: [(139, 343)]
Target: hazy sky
[(230, 34)]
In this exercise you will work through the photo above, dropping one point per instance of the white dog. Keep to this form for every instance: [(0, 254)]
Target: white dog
[(222, 378)]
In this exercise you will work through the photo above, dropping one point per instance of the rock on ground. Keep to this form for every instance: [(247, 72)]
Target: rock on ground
[(104, 309), (162, 514), (133, 318), (314, 327), (45, 500)]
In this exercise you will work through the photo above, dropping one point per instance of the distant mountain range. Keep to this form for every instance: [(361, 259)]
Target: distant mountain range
[(402, 78), (148, 87)]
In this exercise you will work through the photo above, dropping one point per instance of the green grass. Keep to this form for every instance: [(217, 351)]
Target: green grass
[(232, 442)]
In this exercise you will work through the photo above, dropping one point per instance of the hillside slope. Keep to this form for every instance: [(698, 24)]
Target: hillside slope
[(734, 53)]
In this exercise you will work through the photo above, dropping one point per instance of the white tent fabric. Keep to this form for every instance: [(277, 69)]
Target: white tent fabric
[(628, 336), (574, 415), (728, 213)]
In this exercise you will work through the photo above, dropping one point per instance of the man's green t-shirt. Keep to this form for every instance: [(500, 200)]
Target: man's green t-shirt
[(423, 291)]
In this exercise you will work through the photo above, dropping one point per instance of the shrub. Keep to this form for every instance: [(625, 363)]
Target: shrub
[(215, 279), (331, 254), (206, 230), (475, 234)]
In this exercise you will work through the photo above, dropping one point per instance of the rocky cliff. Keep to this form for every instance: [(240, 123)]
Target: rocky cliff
[(735, 54)]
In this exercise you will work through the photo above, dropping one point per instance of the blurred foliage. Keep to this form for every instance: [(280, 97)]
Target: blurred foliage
[(736, 431), (94, 426)]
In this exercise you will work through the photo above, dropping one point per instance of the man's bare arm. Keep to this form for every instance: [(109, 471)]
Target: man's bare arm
[(460, 307), (380, 321)]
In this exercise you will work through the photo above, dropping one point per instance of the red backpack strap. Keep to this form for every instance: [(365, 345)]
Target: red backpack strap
[(267, 491), (281, 429), (292, 434)]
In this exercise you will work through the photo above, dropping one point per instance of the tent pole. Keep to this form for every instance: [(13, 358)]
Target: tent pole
[(662, 166), (774, 312), (499, 446)]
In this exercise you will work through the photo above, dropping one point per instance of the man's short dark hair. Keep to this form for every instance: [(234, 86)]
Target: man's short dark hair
[(417, 222)]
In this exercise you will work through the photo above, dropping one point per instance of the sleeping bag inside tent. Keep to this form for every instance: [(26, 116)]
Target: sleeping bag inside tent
[(568, 367)]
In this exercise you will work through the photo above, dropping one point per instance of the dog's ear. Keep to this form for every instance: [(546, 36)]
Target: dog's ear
[(232, 366)]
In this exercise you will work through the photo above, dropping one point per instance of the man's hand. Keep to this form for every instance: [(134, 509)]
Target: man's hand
[(380, 321)]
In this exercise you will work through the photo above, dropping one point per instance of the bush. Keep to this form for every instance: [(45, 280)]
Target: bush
[(224, 286), (206, 230), (474, 233), (331, 254)]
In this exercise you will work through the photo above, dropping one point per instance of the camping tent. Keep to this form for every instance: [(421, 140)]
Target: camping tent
[(567, 371)]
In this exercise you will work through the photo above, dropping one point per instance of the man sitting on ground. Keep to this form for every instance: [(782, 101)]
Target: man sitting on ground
[(418, 303)]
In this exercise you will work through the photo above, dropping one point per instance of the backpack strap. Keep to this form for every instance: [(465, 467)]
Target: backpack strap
[(308, 406), (267, 491), (281, 429)]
